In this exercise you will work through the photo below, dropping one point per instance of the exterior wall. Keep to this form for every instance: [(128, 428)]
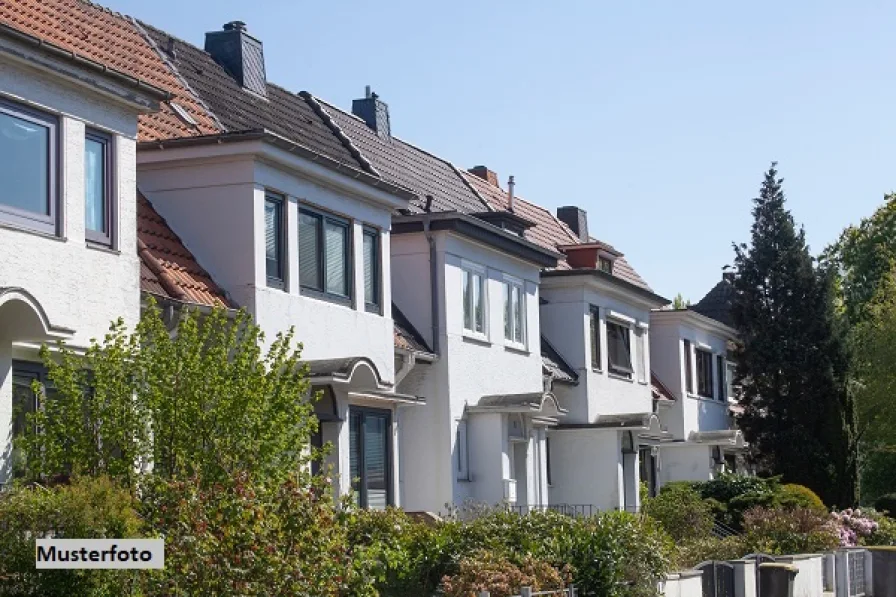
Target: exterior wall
[(809, 581), (586, 468), (217, 208), (80, 287), (566, 325), (467, 370), (685, 462)]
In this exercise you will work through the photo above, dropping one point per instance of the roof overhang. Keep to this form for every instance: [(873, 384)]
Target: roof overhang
[(48, 57), (261, 143), (480, 231), (358, 377), (730, 438), (390, 397), (608, 283), (646, 424), (695, 319), (542, 405)]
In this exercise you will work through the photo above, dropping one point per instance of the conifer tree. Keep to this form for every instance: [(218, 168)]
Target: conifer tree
[(792, 362)]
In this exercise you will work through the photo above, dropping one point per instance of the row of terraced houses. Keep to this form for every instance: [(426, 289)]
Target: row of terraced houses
[(467, 343)]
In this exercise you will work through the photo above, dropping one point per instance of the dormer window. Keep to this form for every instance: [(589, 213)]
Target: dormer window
[(605, 264)]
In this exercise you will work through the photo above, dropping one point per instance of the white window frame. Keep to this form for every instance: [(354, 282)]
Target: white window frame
[(462, 462), (508, 284), (473, 269), (641, 353)]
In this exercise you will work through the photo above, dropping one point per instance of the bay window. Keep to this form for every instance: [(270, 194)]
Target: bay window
[(273, 239), (371, 269), (28, 167), (325, 264), (720, 365), (594, 320), (704, 373), (688, 368), (98, 187)]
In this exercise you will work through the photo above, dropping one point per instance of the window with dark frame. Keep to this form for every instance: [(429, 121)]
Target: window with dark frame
[(605, 264), (723, 385), (594, 317), (704, 373), (325, 264), (24, 399), (371, 247), (273, 240), (98, 187), (619, 350), (547, 458), (28, 167), (370, 457), (688, 368)]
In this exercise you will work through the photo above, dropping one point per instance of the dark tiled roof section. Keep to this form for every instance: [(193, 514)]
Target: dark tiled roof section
[(717, 303), (114, 41), (167, 268), (659, 390), (554, 365), (548, 231), (406, 335), (282, 112), (404, 164)]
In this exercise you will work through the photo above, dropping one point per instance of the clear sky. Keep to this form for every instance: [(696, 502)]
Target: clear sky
[(658, 118)]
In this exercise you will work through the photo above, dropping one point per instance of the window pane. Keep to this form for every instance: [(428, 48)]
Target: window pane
[(376, 454), (272, 239), (468, 300), (371, 255), (23, 401), (720, 365), (689, 376), (517, 314), (640, 356), (619, 348), (336, 239), (309, 251), (24, 164), (704, 373), (95, 184), (595, 337), (478, 303), (508, 313)]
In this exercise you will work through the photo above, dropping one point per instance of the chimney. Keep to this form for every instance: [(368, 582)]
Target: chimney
[(374, 112), (510, 185), (485, 174), (240, 54), (728, 277), (577, 220)]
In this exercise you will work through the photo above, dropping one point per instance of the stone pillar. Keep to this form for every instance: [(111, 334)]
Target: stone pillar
[(744, 578)]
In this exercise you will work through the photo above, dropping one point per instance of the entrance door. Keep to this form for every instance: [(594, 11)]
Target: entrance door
[(370, 456), (648, 470)]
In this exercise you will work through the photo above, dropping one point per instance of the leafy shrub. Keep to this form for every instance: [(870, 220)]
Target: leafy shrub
[(800, 496), (681, 512), (241, 537), (86, 509), (484, 571), (885, 533), (853, 526), (617, 554), (886, 504), (693, 552), (788, 531), (731, 495)]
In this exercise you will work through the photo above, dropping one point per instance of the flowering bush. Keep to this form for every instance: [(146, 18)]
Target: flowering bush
[(789, 530), (853, 526), (484, 571)]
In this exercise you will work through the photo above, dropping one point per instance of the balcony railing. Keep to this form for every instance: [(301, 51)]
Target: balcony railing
[(574, 510)]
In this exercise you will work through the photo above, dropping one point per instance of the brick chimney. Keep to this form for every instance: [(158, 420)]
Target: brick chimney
[(373, 111), (577, 220), (485, 174), (240, 54)]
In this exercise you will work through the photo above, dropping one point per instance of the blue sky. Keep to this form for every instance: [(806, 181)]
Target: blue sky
[(658, 118)]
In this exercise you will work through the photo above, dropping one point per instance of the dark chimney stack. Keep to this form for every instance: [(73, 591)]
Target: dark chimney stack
[(577, 220), (373, 111), (728, 277), (485, 174), (239, 54)]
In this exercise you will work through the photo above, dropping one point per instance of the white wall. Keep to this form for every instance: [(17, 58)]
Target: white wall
[(685, 462), (586, 468), (809, 579)]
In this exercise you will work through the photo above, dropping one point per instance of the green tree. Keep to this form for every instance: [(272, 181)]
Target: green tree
[(679, 302), (201, 401), (792, 362)]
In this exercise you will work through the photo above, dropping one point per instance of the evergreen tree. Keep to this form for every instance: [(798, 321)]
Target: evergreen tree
[(792, 361)]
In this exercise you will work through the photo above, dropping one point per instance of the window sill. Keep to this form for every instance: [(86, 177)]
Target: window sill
[(464, 480), (597, 370), (102, 248), (276, 284), (705, 398), (26, 230), (373, 309), (326, 297), (643, 382), (481, 339), (514, 347), (620, 377)]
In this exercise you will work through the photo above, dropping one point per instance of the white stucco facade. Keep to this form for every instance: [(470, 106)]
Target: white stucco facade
[(504, 456), (595, 451), (55, 285), (214, 196), (700, 422)]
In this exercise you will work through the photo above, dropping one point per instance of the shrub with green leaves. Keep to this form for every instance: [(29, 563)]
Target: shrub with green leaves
[(886, 504), (789, 531), (792, 495), (681, 511), (695, 551), (731, 495), (85, 509), (484, 571)]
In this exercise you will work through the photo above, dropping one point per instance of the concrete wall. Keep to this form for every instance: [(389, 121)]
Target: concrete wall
[(809, 580), (683, 584), (685, 462), (586, 468)]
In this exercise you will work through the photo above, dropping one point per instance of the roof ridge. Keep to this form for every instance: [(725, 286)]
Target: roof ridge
[(174, 70), (340, 134), (103, 9)]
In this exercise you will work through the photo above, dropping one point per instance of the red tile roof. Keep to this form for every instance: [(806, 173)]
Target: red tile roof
[(113, 40), (658, 389), (167, 268)]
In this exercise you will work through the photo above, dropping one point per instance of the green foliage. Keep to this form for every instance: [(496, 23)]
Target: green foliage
[(696, 551), (215, 403), (885, 533), (483, 571), (731, 495), (886, 504), (779, 531), (681, 511), (792, 363), (243, 537), (86, 509), (679, 302), (799, 496)]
